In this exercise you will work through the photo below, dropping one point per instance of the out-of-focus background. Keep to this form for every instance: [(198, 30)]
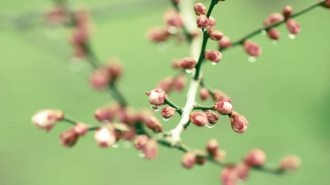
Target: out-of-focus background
[(285, 94)]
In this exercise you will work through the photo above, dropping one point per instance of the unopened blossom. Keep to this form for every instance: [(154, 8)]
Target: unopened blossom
[(188, 160), (212, 146), (105, 137), (173, 18), (223, 107), (46, 119), (199, 118), (106, 114), (213, 55), (211, 22), (229, 176), (81, 128), (204, 94), (156, 97), (140, 141), (293, 26), (273, 19), (252, 48), (225, 42), (273, 34), (202, 21), (79, 36), (154, 124), (242, 170), (69, 137), (287, 11), (114, 69), (215, 35), (199, 9), (326, 4), (220, 96), (238, 122), (179, 83), (158, 35), (290, 162), (151, 149), (168, 112), (255, 157), (99, 79), (188, 63), (212, 116)]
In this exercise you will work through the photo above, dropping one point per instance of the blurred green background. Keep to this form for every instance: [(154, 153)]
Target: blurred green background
[(285, 95)]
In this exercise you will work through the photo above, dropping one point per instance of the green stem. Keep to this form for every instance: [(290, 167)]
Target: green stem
[(172, 104)]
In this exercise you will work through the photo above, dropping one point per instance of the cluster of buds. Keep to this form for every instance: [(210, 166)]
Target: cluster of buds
[(105, 75), (146, 145)]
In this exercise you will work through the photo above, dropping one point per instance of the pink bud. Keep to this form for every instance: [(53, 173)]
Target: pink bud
[(199, 118), (225, 42), (179, 82), (223, 107), (156, 97), (326, 4), (150, 150), (154, 124), (252, 48), (200, 9), (273, 34), (204, 94), (212, 147), (79, 52), (216, 35), (213, 55), (287, 11), (202, 21), (256, 157), (238, 122), (229, 176), (79, 36), (173, 18), (158, 35), (289, 163), (46, 119), (220, 96), (293, 26), (69, 138), (242, 171), (166, 84), (168, 112), (140, 141), (212, 116), (99, 79), (188, 160), (81, 129), (114, 69), (106, 114), (273, 18), (105, 137), (188, 63), (211, 22), (219, 155)]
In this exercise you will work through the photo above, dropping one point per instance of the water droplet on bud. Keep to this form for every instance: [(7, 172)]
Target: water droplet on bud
[(141, 155), (252, 59), (115, 145), (214, 63), (209, 125), (204, 29), (155, 108), (292, 36), (263, 32), (188, 71), (127, 144), (166, 119)]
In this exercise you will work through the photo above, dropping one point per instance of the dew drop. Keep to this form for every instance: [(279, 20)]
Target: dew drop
[(188, 71), (155, 108), (115, 145), (252, 59), (127, 144), (214, 63), (204, 29), (141, 155), (263, 32), (166, 119), (209, 125), (275, 42), (292, 36)]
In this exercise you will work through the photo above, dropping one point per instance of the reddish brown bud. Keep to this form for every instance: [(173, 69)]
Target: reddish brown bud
[(158, 35), (154, 124), (199, 118), (326, 4), (212, 116), (225, 42), (188, 63), (179, 83), (188, 160), (256, 157), (114, 69), (216, 35), (229, 176), (106, 114), (290, 162), (173, 18), (242, 170), (168, 112), (223, 107), (293, 26), (287, 11), (212, 147), (200, 9), (238, 122), (69, 138), (204, 94), (81, 129), (46, 119), (156, 97), (99, 79), (140, 141), (211, 22), (213, 55), (220, 96), (151, 149), (202, 21), (252, 48), (273, 18), (273, 34), (79, 36)]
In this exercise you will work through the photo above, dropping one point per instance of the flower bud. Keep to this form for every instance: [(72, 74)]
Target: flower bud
[(212, 22), (179, 83), (287, 11), (105, 137), (46, 119), (198, 118), (79, 36), (289, 163), (252, 48), (140, 141), (154, 124), (173, 18), (216, 35), (219, 155), (238, 122), (229, 176), (81, 129), (69, 138), (223, 107), (293, 26), (212, 116), (200, 9), (156, 97), (326, 4), (256, 157), (114, 69), (273, 18), (204, 94), (158, 35), (151, 149), (202, 21), (225, 42), (106, 114), (213, 55), (188, 63), (220, 96), (188, 160), (242, 171), (212, 147), (99, 79), (273, 34), (168, 112)]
